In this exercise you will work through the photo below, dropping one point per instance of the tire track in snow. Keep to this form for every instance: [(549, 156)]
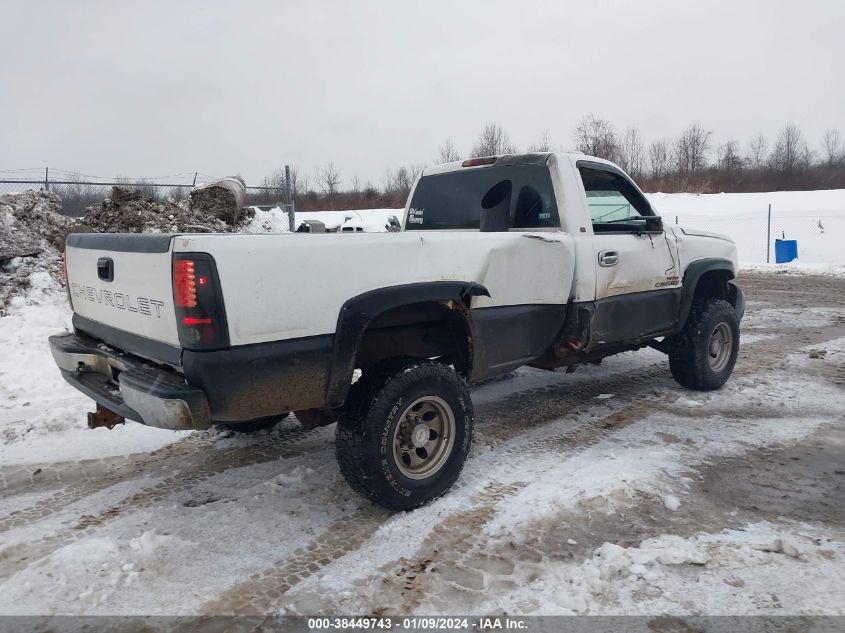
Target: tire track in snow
[(19, 556), (453, 546), (199, 456), (757, 356), (256, 595), (453, 536), (203, 462)]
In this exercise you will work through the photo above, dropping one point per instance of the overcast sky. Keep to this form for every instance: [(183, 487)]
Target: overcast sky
[(154, 88)]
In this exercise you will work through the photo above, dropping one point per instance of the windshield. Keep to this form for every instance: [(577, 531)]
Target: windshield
[(454, 200)]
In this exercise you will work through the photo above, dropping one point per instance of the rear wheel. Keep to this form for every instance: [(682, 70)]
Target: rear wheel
[(252, 426), (404, 434), (702, 356)]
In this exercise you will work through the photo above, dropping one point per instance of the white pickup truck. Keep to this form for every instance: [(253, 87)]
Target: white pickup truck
[(547, 260)]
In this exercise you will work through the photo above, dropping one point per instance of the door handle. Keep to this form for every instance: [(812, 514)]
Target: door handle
[(608, 258)]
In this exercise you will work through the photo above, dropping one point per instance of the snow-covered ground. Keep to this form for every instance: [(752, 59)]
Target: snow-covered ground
[(608, 491), (816, 219)]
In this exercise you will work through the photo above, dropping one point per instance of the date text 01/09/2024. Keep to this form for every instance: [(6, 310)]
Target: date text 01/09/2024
[(429, 623)]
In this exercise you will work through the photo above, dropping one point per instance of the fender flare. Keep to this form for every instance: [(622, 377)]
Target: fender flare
[(357, 313), (695, 270)]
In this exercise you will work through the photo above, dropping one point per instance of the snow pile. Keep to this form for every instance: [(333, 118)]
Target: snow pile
[(128, 211), (32, 233), (273, 220), (816, 219), (611, 560)]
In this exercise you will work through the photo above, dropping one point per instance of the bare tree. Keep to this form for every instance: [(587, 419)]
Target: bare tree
[(416, 170), (659, 158), (542, 145), (758, 152), (632, 153), (298, 182), (77, 197), (356, 184), (596, 137), (493, 141), (398, 182), (832, 145), (728, 157), (328, 178), (791, 153), (691, 149), (448, 152)]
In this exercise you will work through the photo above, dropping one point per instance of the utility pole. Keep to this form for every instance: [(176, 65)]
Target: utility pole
[(194, 184), (289, 201), (769, 234), (46, 179)]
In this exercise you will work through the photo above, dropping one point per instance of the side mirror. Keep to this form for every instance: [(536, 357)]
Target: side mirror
[(653, 224), (496, 208)]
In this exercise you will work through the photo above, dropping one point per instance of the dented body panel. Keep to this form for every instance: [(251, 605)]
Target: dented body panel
[(295, 284)]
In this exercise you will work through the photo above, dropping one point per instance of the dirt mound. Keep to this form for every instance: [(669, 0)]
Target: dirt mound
[(33, 230), (128, 211), (32, 234), (30, 219), (224, 199)]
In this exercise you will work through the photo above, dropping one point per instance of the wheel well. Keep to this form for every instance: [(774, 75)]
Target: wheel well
[(713, 285), (430, 329)]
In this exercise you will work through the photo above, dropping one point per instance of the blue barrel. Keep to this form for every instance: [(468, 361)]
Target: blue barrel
[(786, 251)]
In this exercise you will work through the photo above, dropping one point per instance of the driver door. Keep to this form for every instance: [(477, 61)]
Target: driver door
[(638, 284)]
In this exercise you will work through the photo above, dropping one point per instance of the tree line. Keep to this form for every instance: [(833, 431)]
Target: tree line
[(691, 162)]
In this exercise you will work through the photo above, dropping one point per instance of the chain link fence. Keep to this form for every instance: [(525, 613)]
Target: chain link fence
[(78, 194)]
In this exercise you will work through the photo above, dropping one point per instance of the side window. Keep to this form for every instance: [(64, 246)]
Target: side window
[(613, 201)]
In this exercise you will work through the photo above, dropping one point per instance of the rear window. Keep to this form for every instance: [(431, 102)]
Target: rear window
[(453, 200)]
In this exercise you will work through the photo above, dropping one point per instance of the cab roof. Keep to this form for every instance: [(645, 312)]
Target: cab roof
[(531, 158)]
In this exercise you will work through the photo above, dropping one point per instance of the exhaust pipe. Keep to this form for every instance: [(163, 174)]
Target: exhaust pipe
[(104, 417)]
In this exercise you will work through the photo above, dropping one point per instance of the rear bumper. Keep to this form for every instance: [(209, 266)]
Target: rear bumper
[(128, 386)]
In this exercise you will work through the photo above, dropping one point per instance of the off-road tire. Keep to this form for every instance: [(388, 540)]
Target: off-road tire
[(252, 426), (691, 358), (367, 422)]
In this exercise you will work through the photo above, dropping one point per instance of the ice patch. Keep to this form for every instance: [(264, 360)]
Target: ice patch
[(671, 502)]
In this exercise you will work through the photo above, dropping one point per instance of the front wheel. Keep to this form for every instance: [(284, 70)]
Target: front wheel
[(404, 434), (703, 354)]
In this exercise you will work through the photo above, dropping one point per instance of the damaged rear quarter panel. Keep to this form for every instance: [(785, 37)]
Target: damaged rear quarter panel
[(279, 287)]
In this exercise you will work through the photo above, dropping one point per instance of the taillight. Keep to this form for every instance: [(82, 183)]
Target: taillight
[(185, 283), (200, 314)]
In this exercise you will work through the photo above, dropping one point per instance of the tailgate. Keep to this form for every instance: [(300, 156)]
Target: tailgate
[(123, 281)]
